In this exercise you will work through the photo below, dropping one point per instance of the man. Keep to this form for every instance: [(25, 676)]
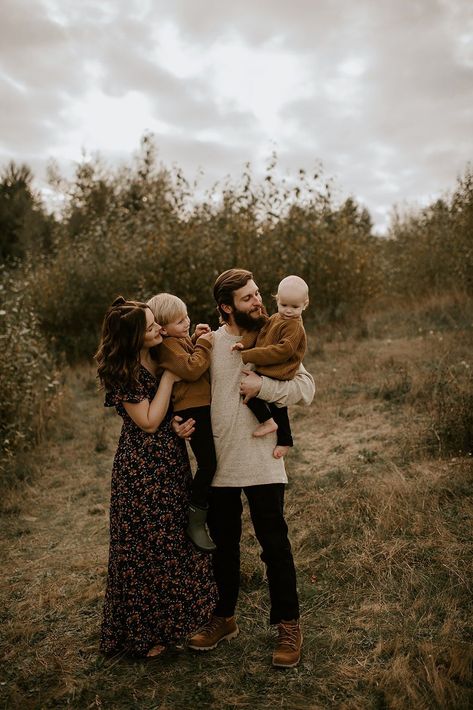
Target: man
[(247, 463)]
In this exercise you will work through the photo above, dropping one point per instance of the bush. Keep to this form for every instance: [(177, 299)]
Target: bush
[(27, 374), (431, 252), (137, 232)]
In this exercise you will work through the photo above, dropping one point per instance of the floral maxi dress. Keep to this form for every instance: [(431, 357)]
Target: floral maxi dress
[(159, 587)]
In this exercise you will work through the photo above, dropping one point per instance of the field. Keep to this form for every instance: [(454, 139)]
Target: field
[(379, 508)]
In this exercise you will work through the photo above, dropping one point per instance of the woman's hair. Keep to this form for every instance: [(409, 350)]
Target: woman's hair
[(166, 308), (118, 354), (225, 285)]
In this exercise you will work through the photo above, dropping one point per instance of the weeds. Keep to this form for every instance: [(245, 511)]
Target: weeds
[(383, 549)]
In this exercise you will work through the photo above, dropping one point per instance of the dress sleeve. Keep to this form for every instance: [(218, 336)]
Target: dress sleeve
[(117, 396)]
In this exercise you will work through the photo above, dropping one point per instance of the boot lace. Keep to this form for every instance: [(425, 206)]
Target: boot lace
[(288, 635), (211, 625)]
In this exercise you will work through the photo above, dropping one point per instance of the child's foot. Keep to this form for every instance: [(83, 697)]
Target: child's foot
[(280, 451), (266, 427)]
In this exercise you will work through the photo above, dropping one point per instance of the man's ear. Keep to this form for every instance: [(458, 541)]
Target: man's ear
[(225, 307)]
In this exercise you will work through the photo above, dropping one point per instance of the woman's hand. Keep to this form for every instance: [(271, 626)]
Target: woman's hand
[(250, 384), (171, 376), (183, 429), (201, 329)]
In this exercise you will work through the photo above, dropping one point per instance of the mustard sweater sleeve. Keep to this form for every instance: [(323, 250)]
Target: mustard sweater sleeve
[(249, 339), (288, 343), (187, 363)]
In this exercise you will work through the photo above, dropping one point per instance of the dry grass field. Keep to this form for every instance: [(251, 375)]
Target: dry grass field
[(381, 527)]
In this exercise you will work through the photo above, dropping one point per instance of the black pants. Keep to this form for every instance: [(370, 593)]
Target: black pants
[(266, 504), (203, 448), (263, 411)]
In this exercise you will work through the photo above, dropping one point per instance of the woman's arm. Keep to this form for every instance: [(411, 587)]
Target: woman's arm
[(149, 415)]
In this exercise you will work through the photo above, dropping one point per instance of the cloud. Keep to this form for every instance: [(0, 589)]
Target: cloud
[(380, 92)]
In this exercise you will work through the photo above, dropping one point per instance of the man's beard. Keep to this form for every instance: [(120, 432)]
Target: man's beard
[(247, 322)]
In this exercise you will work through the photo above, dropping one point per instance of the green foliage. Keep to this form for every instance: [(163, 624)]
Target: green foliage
[(24, 224), (431, 252), (27, 374), (137, 231)]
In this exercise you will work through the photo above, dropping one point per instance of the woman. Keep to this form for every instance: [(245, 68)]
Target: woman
[(159, 588)]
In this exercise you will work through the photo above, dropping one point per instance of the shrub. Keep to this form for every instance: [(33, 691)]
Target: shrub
[(27, 374), (431, 251), (137, 231)]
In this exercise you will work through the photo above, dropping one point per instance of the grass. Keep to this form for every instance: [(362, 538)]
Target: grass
[(380, 524)]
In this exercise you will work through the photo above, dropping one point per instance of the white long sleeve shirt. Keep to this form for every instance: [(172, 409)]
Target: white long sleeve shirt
[(242, 459)]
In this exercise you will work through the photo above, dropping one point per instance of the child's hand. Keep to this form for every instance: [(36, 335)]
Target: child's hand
[(237, 346), (201, 329)]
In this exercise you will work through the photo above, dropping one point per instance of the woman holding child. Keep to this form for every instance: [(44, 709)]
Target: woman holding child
[(160, 587)]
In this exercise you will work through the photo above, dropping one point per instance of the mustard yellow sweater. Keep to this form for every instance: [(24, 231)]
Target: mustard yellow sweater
[(280, 347), (191, 362)]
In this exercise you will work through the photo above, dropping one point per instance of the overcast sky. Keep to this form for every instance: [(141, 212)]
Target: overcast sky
[(379, 91)]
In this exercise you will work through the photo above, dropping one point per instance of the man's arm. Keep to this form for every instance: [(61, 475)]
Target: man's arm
[(300, 390)]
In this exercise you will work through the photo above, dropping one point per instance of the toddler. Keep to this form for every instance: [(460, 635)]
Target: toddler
[(280, 346), (189, 358)]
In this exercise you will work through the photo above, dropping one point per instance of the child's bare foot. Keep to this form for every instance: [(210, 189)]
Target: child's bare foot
[(280, 451), (266, 427)]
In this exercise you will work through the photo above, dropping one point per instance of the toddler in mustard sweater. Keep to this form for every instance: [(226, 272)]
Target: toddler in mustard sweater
[(277, 351), (189, 358)]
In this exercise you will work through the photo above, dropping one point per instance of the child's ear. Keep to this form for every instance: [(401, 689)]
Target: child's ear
[(306, 304), (163, 331)]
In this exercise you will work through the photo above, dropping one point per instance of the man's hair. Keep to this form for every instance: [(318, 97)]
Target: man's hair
[(226, 284), (166, 308)]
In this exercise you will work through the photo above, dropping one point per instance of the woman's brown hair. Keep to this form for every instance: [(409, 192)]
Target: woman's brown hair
[(118, 354)]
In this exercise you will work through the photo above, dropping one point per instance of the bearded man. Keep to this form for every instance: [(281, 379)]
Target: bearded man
[(246, 463)]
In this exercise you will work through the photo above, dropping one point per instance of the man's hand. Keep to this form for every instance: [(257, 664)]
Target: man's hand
[(237, 346), (250, 385), (201, 329), (183, 429)]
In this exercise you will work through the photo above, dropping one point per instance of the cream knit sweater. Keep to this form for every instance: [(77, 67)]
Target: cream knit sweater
[(242, 459)]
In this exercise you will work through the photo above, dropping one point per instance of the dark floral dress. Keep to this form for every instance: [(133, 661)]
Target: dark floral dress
[(159, 587)]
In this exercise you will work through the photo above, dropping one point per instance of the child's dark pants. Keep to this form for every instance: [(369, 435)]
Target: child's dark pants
[(263, 411), (203, 448)]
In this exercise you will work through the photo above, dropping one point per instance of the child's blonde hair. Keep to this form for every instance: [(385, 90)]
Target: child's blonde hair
[(166, 308)]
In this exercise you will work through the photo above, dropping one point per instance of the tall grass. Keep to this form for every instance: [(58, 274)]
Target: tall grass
[(28, 377)]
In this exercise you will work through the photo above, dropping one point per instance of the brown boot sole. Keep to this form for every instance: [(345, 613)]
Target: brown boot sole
[(228, 637), (287, 665)]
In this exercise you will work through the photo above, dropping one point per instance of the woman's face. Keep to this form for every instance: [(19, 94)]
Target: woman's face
[(152, 332)]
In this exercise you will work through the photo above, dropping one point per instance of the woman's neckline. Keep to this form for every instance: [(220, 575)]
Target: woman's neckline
[(148, 370)]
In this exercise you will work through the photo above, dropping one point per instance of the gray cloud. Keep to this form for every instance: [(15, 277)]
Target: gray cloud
[(389, 87)]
